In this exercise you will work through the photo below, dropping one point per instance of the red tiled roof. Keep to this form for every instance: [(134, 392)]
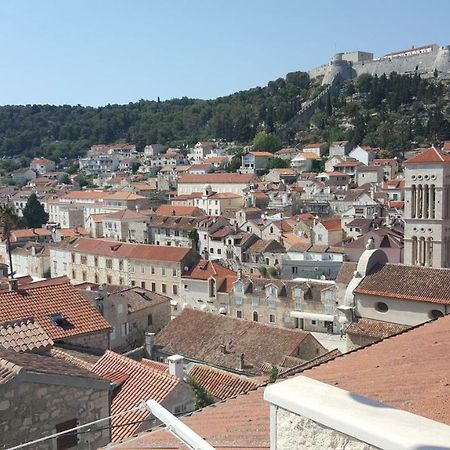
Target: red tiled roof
[(224, 196), (241, 423), (409, 371), (205, 269), (375, 328), (41, 302), (332, 224), (261, 154), (142, 383), (198, 335), (116, 249), (24, 335), (432, 155), (414, 283), (400, 204), (221, 384), (174, 210), (243, 178)]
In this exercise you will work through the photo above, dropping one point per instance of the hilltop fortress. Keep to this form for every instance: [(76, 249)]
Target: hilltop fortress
[(421, 60)]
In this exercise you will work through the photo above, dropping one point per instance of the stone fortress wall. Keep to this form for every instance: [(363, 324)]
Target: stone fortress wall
[(421, 60)]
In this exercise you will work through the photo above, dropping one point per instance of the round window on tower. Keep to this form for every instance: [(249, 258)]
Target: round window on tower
[(381, 307)]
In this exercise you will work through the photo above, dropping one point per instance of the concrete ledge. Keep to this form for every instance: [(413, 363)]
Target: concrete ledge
[(360, 417)]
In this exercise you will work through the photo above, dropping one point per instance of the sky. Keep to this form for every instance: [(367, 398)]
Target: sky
[(95, 52)]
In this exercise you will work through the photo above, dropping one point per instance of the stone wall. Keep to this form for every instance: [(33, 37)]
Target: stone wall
[(298, 432), (94, 342), (29, 411)]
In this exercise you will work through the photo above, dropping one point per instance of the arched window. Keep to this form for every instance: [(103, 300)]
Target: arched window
[(212, 287), (255, 316)]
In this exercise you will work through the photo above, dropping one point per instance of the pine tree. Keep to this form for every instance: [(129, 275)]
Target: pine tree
[(34, 214)]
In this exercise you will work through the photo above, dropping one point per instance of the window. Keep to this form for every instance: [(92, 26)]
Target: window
[(163, 271), (65, 267), (328, 295), (133, 283), (108, 263), (255, 316), (294, 270), (74, 274), (153, 270), (73, 257), (132, 268), (149, 320), (174, 272), (153, 287), (109, 279), (255, 301), (83, 259), (219, 251), (84, 275), (96, 261), (297, 306), (271, 318), (238, 300), (239, 314), (319, 238), (120, 264), (175, 289), (69, 440), (238, 287), (381, 307), (211, 250), (121, 281), (55, 266), (125, 329), (313, 322), (142, 268), (297, 292), (143, 284), (163, 288)]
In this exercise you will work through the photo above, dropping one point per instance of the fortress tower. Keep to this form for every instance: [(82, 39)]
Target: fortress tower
[(421, 60), (427, 209)]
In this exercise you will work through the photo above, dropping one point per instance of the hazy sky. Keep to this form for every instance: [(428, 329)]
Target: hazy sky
[(94, 52)]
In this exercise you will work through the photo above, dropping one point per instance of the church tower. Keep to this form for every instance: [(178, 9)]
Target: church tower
[(427, 209)]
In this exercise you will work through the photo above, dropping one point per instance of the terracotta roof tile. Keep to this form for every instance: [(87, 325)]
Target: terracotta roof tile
[(142, 383), (221, 384), (217, 178), (206, 269), (41, 302), (432, 155), (173, 210), (24, 335), (116, 249), (408, 283), (375, 328), (239, 423), (409, 371), (199, 335)]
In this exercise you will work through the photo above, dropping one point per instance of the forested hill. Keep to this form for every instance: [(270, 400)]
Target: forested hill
[(391, 112), (70, 130)]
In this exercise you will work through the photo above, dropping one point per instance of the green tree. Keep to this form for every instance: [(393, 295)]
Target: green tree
[(277, 163), (65, 179), (34, 214), (194, 237), (267, 142), (274, 372), (202, 397), (8, 221)]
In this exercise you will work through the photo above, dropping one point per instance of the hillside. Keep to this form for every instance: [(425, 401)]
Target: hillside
[(390, 112)]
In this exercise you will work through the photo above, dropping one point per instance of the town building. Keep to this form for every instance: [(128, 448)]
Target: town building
[(427, 209)]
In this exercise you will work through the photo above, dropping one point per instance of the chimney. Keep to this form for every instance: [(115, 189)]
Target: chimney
[(13, 284), (149, 343), (33, 250), (241, 362), (176, 365)]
